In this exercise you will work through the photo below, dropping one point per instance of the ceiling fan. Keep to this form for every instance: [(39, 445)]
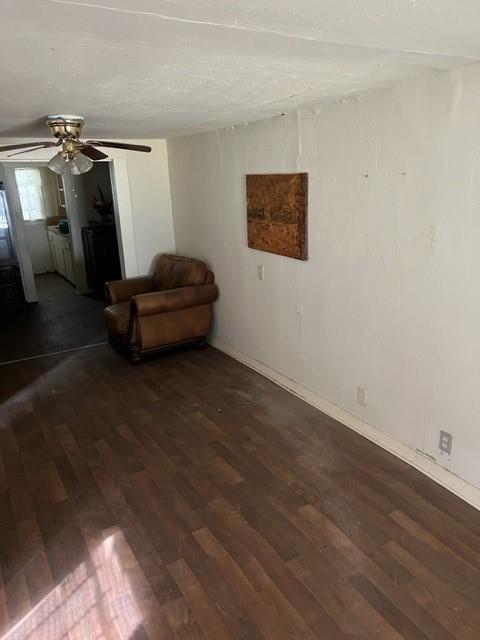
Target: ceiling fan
[(74, 155)]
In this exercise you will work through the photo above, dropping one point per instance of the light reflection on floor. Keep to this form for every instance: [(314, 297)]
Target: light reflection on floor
[(20, 402), (95, 602)]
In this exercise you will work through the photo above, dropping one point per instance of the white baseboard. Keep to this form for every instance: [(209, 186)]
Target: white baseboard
[(442, 476)]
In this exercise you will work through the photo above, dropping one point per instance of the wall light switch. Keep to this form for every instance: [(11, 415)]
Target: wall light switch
[(261, 272)]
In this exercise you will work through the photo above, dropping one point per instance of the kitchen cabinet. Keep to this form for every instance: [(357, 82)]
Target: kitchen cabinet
[(62, 254)]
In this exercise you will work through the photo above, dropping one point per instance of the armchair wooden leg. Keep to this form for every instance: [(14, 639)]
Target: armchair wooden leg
[(134, 354)]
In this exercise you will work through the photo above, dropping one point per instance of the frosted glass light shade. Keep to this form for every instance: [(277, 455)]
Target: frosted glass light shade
[(58, 164), (80, 164)]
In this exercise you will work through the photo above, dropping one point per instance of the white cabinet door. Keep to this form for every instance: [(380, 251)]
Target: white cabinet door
[(62, 255), (59, 247)]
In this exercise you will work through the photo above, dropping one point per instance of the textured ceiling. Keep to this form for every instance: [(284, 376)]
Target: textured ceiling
[(157, 68)]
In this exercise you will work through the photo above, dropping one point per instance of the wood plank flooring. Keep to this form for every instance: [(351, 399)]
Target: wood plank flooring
[(62, 319), (189, 498)]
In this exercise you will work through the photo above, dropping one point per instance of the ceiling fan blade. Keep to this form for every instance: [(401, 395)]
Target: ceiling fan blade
[(92, 153), (25, 145), (120, 145), (43, 146)]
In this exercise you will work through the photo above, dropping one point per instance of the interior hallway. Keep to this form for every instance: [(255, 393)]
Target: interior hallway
[(189, 497), (62, 319)]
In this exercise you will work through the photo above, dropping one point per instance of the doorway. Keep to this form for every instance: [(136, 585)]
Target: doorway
[(62, 227), (63, 224)]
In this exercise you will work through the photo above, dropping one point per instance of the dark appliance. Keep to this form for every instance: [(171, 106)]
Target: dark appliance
[(102, 259)]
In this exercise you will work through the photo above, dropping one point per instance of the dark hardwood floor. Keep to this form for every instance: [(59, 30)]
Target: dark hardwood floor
[(62, 319), (189, 498)]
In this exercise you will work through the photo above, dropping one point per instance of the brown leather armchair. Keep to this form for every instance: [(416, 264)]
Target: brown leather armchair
[(171, 307)]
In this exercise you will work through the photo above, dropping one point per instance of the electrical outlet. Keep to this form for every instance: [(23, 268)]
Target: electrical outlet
[(260, 272), (446, 442), (362, 396)]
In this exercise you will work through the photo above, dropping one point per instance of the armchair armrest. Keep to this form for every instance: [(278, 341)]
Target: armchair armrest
[(122, 290), (174, 299)]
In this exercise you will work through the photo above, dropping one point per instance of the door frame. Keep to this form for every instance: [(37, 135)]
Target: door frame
[(123, 213)]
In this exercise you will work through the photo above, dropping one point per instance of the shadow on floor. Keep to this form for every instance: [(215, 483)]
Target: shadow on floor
[(62, 319)]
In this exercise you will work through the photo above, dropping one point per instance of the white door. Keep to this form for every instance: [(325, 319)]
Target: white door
[(19, 237), (39, 249)]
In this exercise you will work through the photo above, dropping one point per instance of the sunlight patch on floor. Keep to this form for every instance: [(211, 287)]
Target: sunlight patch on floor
[(96, 601)]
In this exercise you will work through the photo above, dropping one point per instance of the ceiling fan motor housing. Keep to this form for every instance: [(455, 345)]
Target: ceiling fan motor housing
[(65, 126)]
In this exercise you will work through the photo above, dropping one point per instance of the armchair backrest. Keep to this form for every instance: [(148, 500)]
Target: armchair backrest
[(172, 272)]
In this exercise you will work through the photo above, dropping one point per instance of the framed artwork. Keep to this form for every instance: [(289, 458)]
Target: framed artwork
[(277, 213)]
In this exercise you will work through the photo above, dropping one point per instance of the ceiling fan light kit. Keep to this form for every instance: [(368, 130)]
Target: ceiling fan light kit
[(80, 164), (58, 164), (76, 165), (74, 156)]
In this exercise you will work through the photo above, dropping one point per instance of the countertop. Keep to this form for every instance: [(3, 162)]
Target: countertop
[(54, 229)]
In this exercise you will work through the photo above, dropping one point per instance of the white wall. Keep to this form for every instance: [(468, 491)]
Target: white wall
[(151, 205), (389, 299), (147, 227)]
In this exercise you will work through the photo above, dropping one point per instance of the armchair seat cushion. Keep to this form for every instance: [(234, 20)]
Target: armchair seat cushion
[(117, 318)]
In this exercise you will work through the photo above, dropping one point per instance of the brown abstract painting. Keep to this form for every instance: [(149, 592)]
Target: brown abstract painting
[(277, 213)]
